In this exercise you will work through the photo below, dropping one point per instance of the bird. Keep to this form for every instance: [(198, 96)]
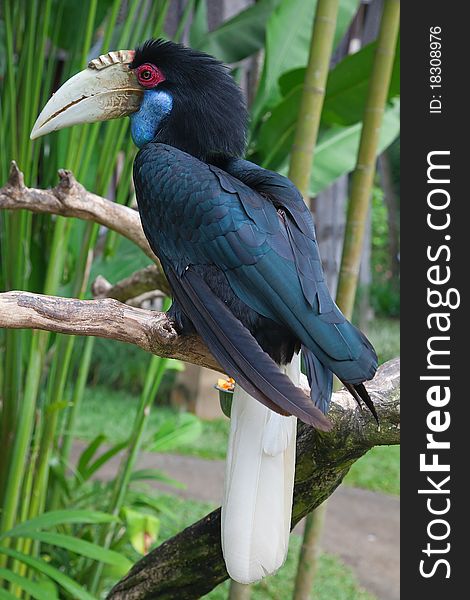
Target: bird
[(237, 245)]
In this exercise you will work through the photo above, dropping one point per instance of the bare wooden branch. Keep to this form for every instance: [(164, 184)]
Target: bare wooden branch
[(70, 199), (190, 564), (107, 318), (143, 281)]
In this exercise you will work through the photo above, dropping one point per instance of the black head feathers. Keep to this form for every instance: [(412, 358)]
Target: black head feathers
[(208, 118)]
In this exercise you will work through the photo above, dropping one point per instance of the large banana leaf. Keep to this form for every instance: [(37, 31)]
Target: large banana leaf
[(346, 87), (199, 27), (337, 147), (345, 98), (240, 36), (288, 41)]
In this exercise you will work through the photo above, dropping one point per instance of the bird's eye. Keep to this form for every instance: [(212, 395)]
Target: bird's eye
[(149, 75)]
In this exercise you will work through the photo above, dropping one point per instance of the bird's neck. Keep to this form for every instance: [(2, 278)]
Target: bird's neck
[(164, 119), (146, 122)]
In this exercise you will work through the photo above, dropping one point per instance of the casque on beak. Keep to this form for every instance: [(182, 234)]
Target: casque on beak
[(107, 89)]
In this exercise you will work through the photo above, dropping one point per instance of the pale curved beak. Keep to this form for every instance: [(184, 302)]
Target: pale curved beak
[(107, 89)]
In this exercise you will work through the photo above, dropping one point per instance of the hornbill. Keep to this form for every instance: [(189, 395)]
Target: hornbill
[(238, 247)]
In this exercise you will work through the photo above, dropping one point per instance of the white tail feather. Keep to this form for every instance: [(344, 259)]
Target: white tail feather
[(259, 482)]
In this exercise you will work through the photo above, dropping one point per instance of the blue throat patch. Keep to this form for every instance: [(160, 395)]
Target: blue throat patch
[(155, 106)]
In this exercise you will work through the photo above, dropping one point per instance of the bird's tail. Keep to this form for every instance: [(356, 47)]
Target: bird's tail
[(259, 483)]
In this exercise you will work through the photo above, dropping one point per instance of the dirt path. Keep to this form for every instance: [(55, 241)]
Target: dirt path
[(361, 527)]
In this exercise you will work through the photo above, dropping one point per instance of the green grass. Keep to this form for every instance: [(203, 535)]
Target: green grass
[(112, 412), (378, 470), (212, 443), (335, 580)]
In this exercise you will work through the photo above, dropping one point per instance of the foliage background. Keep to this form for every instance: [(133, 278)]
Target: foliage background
[(78, 535)]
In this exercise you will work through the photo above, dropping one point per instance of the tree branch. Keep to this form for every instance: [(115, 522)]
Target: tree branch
[(190, 564), (142, 281), (107, 318), (70, 199)]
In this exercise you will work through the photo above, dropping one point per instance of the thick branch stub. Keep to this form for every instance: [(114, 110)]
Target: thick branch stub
[(15, 177), (67, 182), (190, 564)]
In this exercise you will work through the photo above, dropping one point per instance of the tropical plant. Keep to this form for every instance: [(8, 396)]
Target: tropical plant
[(43, 375), (39, 402)]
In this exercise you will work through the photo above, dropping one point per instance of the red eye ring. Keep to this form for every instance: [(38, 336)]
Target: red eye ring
[(149, 75)]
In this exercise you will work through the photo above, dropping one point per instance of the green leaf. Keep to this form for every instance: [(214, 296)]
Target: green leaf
[(58, 517), (49, 586), (242, 35), (2, 50), (59, 475), (348, 84), (276, 134), (344, 104), (199, 28), (346, 12), (157, 504), (174, 364), (175, 431), (108, 455), (32, 588), (337, 147), (75, 13), (39, 565), (142, 529), (287, 44), (88, 453), (4, 595), (155, 475), (82, 547), (57, 406)]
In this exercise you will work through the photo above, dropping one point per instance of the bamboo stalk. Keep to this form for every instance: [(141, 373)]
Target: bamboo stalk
[(354, 236), (363, 175), (300, 170), (313, 94), (239, 591), (309, 553)]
